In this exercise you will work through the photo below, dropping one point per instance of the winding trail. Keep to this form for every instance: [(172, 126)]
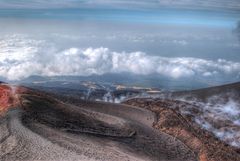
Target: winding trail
[(45, 128)]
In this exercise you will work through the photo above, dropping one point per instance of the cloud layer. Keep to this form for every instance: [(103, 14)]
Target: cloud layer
[(21, 57)]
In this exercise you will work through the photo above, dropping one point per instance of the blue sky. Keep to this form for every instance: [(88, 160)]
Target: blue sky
[(154, 16), (186, 12), (211, 4)]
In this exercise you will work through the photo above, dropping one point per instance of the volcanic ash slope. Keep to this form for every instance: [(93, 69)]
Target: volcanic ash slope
[(39, 126)]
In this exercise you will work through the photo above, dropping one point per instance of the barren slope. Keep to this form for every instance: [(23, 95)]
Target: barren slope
[(41, 126)]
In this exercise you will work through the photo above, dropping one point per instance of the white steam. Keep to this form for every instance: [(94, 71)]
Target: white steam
[(21, 57), (219, 115)]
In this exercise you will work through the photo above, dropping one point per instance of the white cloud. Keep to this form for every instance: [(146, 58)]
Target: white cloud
[(180, 42), (22, 56)]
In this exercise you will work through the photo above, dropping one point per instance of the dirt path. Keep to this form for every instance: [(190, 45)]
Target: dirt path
[(45, 128)]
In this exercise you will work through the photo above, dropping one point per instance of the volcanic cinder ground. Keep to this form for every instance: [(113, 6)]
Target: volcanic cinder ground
[(42, 126)]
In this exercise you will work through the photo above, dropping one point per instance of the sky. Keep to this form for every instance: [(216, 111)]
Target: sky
[(137, 4), (175, 39)]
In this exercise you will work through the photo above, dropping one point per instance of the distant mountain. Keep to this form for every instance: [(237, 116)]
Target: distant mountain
[(128, 79), (230, 90)]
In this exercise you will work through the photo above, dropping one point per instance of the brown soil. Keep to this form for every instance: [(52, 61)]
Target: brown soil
[(170, 121)]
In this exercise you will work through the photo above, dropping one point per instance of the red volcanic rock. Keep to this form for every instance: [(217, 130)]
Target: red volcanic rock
[(9, 97)]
